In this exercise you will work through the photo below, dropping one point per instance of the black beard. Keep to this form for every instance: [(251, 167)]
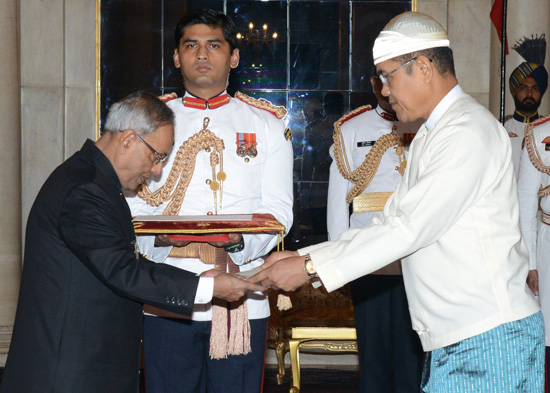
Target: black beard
[(528, 105)]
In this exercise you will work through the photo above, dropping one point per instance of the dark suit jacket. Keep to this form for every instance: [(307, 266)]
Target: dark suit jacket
[(79, 317)]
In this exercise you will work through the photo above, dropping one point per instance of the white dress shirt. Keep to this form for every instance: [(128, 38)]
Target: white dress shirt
[(261, 184)]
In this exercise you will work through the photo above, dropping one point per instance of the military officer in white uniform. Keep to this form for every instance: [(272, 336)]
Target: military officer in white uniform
[(389, 350), (238, 161), (534, 186)]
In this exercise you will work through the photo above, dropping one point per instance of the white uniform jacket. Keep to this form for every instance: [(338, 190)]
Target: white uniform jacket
[(516, 132), (359, 134), (536, 234), (455, 219), (261, 184)]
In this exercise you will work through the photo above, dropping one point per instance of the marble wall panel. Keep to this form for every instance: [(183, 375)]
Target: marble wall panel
[(42, 50), (10, 183), (79, 118), (80, 62), (469, 32), (435, 8), (10, 271), (42, 139)]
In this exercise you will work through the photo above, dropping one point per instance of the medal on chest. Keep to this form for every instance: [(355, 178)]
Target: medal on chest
[(246, 144)]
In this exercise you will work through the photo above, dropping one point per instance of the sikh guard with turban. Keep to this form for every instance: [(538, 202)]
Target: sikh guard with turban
[(453, 220), (528, 83)]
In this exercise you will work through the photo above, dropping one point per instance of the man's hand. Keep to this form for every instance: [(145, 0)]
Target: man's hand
[(164, 241), (231, 287), (533, 282), (234, 238), (286, 273), (275, 256)]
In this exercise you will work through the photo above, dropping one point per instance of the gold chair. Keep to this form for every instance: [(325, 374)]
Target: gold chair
[(317, 321)]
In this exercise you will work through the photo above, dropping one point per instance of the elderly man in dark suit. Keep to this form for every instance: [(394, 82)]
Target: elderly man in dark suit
[(79, 318)]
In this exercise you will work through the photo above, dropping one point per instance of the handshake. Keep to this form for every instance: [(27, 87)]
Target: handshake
[(282, 270)]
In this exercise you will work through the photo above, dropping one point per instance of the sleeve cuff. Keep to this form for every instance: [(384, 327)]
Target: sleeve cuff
[(205, 290)]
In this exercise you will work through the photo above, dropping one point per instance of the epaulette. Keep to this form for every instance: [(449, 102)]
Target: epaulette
[(278, 111), (353, 113), (541, 120), (168, 97)]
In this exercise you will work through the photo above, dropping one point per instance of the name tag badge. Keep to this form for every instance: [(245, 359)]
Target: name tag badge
[(546, 142), (366, 143)]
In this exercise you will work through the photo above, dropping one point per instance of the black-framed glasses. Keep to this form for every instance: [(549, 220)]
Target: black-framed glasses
[(384, 78), (160, 157)]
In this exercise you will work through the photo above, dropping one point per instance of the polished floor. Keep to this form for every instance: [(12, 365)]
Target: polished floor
[(313, 381)]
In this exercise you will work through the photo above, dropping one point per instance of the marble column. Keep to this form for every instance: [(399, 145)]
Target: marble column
[(10, 182)]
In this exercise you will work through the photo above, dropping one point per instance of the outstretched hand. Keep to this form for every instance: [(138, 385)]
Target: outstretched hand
[(533, 282), (282, 273), (275, 256), (231, 287)]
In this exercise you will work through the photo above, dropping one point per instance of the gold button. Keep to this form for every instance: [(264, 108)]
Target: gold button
[(246, 159), (208, 181), (396, 168), (207, 150), (209, 214), (394, 128)]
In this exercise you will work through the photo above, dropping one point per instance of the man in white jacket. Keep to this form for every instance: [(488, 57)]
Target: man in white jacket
[(454, 221)]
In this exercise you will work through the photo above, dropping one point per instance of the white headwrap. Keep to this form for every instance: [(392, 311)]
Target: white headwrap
[(406, 33)]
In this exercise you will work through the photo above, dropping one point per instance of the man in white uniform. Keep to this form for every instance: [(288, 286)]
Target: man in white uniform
[(534, 186), (237, 160), (370, 141), (454, 222), (528, 82)]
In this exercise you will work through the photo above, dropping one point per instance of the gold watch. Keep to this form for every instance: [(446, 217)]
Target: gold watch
[(309, 268)]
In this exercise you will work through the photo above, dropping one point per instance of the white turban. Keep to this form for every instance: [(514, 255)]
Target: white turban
[(407, 33)]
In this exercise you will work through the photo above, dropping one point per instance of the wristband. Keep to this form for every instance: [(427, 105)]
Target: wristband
[(236, 247)]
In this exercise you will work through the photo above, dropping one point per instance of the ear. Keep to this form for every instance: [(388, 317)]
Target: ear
[(126, 139), (426, 67), (235, 57), (176, 58)]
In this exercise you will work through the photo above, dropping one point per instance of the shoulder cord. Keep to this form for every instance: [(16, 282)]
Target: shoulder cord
[(363, 175), (183, 168), (535, 158)]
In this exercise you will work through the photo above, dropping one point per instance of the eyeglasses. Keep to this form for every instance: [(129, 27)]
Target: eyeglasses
[(159, 157), (384, 78)]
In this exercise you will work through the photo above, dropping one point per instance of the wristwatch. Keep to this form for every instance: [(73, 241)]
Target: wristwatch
[(238, 247), (309, 268)]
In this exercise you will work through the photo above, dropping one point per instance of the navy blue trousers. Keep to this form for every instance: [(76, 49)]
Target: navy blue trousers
[(390, 354), (177, 360)]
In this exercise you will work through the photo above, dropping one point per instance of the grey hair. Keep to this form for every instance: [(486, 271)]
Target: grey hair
[(141, 111)]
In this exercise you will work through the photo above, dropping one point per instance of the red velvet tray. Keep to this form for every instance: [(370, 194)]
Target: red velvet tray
[(208, 224)]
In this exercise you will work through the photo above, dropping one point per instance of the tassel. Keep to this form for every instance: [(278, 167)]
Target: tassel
[(283, 302)]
